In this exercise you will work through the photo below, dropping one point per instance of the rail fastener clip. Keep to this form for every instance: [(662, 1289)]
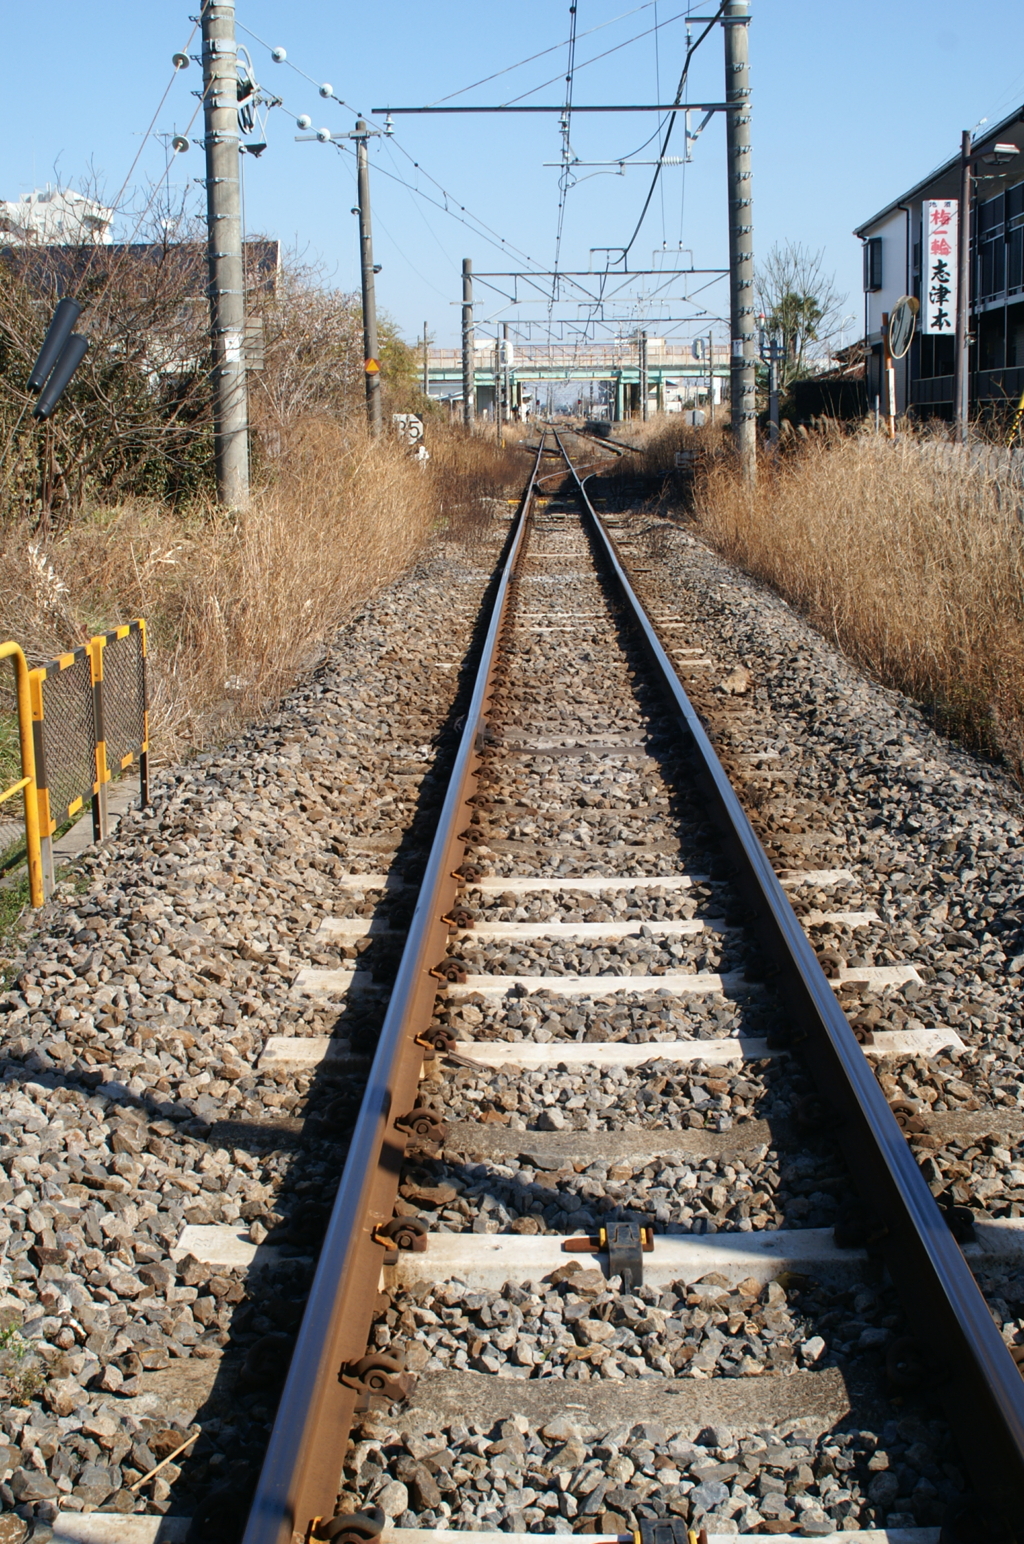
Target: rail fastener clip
[(424, 1123), (626, 1243)]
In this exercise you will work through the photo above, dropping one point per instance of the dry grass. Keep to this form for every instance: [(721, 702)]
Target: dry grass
[(906, 554), (657, 441), (237, 608)]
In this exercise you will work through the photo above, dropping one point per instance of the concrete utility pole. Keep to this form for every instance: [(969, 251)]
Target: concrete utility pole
[(468, 360), (644, 383), (743, 374), (962, 349), (426, 363), (371, 363), (224, 253)]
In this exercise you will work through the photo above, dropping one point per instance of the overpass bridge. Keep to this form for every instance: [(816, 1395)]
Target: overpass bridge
[(674, 377)]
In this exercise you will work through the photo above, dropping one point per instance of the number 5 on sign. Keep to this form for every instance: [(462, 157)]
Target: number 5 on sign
[(408, 427)]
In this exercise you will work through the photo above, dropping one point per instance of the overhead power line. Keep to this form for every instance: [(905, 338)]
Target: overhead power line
[(544, 51), (485, 232), (671, 123)]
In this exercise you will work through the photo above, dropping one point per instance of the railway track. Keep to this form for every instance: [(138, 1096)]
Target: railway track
[(560, 1290)]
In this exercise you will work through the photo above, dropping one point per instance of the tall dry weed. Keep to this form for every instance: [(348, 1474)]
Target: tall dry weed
[(908, 554), (656, 442), (238, 607)]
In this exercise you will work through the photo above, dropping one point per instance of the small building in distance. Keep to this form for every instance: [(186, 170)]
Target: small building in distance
[(55, 216), (893, 245)]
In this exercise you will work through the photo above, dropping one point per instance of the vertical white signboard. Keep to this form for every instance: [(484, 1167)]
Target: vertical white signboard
[(941, 218)]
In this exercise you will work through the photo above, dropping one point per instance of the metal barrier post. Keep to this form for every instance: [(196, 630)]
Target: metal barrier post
[(27, 781), (100, 824), (144, 753), (46, 824)]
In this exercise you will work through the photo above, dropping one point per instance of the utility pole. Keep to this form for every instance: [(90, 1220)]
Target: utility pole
[(426, 363), (371, 363), (506, 375), (711, 375), (962, 348), (468, 361), (743, 377), (644, 386), (224, 254)]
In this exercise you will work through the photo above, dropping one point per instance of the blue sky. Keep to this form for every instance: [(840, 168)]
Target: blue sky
[(852, 104)]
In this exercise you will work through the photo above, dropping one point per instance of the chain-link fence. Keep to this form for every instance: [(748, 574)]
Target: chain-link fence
[(65, 738), (122, 696), (90, 724)]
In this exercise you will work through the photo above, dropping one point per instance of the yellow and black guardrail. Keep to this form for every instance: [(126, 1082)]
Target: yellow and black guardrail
[(83, 719)]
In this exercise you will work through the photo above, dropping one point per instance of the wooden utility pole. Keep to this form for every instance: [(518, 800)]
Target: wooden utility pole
[(224, 253), (962, 349), (743, 374), (371, 362)]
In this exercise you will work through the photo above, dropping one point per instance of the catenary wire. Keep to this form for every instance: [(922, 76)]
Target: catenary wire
[(544, 51), (565, 175), (636, 38), (671, 124), (498, 239)]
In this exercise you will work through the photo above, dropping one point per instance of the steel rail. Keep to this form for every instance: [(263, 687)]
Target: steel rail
[(967, 1364), (301, 1473)]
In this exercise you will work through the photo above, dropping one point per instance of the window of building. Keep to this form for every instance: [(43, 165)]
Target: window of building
[(991, 239), (873, 263), (936, 356), (1015, 335), (1015, 239)]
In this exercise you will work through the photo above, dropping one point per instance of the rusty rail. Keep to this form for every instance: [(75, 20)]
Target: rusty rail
[(970, 1366), (302, 1471), (963, 1352)]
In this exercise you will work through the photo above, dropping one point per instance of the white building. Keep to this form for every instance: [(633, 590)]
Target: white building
[(56, 217), (897, 253)]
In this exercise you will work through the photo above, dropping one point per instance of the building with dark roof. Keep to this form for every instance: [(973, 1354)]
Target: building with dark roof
[(893, 248)]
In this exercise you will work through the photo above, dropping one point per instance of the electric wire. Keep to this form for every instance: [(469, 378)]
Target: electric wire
[(498, 240), (544, 51), (691, 50), (122, 258), (565, 175), (657, 98), (636, 38), (145, 140)]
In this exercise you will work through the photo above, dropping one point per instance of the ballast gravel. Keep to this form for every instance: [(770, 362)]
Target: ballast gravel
[(131, 1102), (588, 1327), (825, 755), (567, 1477)]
